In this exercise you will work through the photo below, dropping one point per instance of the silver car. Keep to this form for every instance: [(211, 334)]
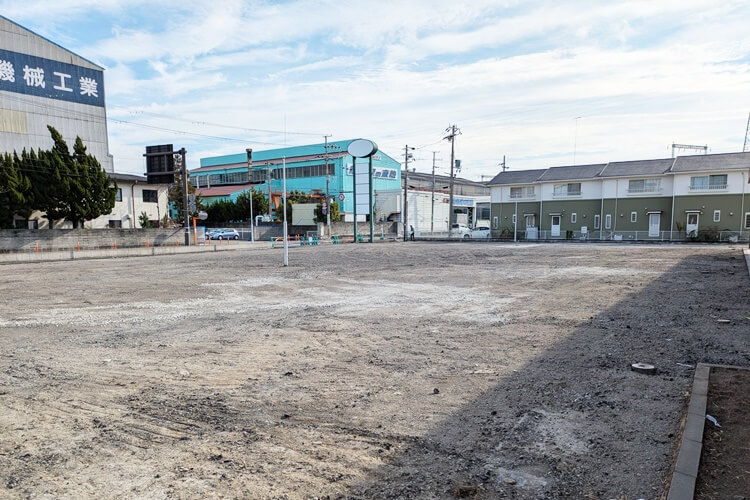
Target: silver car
[(224, 234)]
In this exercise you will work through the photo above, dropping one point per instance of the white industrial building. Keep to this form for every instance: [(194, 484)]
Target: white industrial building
[(41, 84), (44, 84)]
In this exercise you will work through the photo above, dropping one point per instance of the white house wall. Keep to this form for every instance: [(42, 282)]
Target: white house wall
[(735, 182), (132, 195)]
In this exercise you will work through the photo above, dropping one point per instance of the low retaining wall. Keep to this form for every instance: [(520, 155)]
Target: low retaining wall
[(48, 240)]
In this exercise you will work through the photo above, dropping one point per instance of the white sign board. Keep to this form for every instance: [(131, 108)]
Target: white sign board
[(362, 185)]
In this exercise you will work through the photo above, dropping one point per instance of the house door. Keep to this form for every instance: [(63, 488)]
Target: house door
[(530, 220), (654, 221), (692, 224), (555, 226)]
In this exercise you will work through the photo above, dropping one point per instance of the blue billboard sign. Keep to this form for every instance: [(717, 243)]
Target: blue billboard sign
[(31, 75)]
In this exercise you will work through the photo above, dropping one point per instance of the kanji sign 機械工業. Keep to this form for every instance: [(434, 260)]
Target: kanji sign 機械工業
[(37, 76)]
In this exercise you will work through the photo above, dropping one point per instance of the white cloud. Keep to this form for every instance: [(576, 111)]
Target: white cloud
[(513, 76)]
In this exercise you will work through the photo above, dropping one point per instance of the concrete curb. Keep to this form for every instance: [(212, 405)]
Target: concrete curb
[(685, 475), (26, 257)]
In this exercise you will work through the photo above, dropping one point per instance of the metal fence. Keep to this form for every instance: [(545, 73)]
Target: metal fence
[(609, 235)]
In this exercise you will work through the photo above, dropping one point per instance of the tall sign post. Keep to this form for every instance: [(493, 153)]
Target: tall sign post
[(286, 242), (160, 170), (362, 181)]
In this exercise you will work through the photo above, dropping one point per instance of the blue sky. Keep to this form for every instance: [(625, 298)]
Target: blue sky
[(223, 76)]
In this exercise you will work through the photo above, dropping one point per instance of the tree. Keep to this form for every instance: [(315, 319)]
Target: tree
[(175, 192), (92, 193), (332, 207), (260, 205), (144, 220), (292, 198), (15, 192)]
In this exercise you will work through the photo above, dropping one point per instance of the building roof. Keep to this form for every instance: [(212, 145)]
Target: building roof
[(572, 172), (638, 167), (714, 162), (693, 163), (311, 150), (517, 177), (16, 45), (222, 190), (424, 176), (127, 177)]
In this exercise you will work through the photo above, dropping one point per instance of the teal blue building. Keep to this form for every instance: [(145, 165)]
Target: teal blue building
[(226, 177)]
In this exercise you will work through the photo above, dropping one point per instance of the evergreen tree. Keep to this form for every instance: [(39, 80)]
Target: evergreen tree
[(15, 191), (260, 205), (95, 192), (175, 194)]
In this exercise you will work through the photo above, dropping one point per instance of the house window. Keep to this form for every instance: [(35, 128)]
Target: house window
[(608, 221), (708, 182), (569, 189), (150, 196), (115, 223), (573, 218), (717, 215), (636, 186), (633, 216), (522, 192), (118, 196), (597, 221)]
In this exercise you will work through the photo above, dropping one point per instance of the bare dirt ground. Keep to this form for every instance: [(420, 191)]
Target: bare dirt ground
[(412, 370)]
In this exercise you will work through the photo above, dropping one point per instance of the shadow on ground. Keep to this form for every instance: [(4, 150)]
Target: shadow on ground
[(595, 429)]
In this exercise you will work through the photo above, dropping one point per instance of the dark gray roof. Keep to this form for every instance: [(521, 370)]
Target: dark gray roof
[(638, 167), (517, 177), (699, 163), (573, 172), (127, 177), (442, 178)]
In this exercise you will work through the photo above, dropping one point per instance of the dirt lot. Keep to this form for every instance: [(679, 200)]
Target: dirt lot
[(369, 371)]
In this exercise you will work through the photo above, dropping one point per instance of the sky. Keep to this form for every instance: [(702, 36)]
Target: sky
[(541, 83)]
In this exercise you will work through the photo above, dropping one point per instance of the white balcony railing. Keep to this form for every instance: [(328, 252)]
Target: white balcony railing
[(638, 191), (708, 187), (566, 194)]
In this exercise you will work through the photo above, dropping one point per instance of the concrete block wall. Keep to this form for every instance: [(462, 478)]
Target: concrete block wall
[(14, 240)]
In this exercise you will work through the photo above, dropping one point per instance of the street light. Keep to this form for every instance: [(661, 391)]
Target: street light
[(250, 180)]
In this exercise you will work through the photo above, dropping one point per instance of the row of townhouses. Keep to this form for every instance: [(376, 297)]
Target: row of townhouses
[(702, 197)]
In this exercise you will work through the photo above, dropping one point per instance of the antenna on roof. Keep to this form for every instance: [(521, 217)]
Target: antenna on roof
[(747, 129), (689, 146)]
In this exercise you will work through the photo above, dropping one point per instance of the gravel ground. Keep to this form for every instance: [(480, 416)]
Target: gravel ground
[(415, 370)]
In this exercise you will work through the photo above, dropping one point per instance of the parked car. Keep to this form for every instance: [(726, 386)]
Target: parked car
[(223, 234), (480, 232), (460, 230)]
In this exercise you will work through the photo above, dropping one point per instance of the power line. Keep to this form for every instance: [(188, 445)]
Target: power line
[(222, 125)]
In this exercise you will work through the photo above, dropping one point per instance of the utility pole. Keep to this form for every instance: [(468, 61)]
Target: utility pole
[(747, 129), (249, 152), (406, 189), (432, 213), (503, 165), (268, 181), (453, 131), (183, 152)]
